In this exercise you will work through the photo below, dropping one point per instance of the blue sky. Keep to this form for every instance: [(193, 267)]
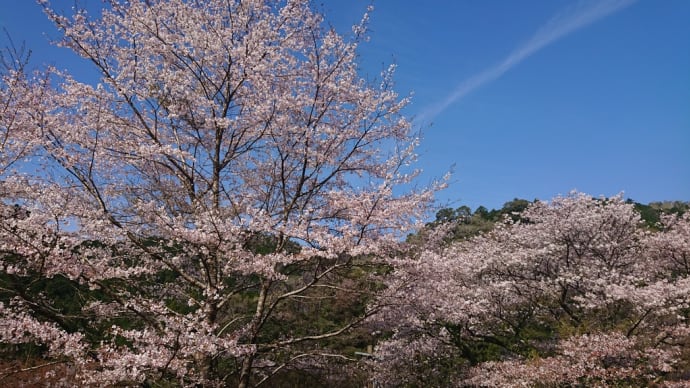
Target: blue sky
[(526, 99)]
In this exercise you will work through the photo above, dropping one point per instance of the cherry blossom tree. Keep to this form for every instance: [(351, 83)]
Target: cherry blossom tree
[(578, 291), (226, 174)]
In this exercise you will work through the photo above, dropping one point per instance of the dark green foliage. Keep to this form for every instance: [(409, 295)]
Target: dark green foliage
[(651, 213), (466, 224), (265, 243), (55, 299)]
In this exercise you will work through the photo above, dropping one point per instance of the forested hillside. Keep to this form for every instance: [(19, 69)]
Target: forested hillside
[(576, 290)]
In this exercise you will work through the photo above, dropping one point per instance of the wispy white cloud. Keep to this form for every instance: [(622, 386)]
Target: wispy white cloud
[(569, 20)]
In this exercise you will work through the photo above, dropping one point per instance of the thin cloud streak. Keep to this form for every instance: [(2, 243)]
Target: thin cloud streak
[(571, 19)]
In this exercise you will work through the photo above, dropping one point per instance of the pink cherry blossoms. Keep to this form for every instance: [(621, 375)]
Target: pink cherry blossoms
[(226, 204), (578, 292), (222, 179)]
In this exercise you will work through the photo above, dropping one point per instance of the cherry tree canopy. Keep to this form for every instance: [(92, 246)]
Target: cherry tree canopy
[(229, 161), (578, 291)]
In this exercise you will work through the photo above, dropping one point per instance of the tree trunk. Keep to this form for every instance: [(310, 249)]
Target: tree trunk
[(205, 361), (245, 372)]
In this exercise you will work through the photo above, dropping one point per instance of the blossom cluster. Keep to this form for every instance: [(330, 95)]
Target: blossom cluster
[(579, 290)]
